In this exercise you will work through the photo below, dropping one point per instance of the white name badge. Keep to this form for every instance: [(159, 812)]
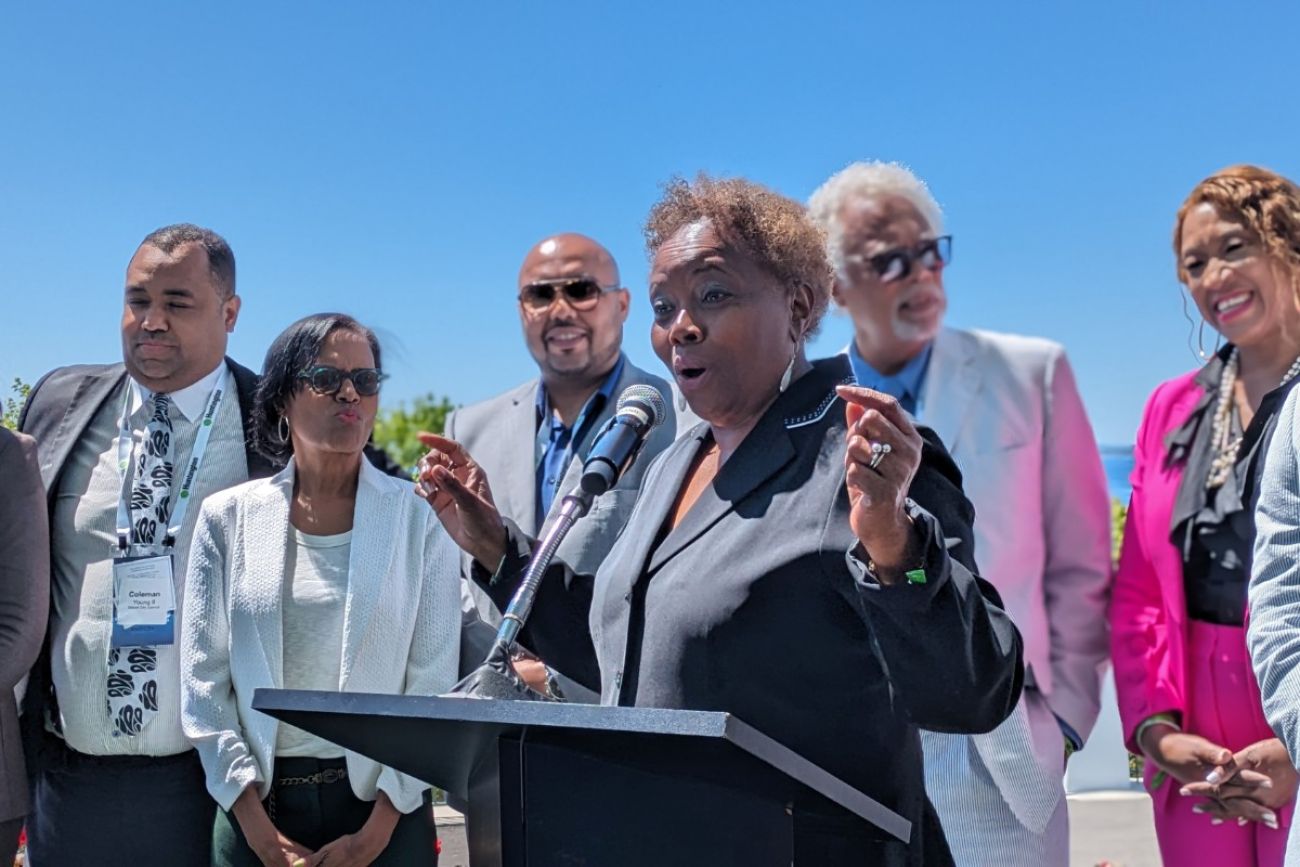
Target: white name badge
[(144, 601)]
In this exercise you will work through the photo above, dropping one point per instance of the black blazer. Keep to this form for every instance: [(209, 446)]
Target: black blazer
[(755, 604)]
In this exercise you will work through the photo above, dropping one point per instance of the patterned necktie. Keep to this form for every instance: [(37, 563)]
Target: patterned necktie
[(132, 678)]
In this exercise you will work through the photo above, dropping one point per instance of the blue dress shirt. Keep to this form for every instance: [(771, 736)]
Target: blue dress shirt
[(905, 386), (555, 441)]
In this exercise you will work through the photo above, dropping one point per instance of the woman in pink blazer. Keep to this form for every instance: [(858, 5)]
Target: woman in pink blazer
[(1221, 783)]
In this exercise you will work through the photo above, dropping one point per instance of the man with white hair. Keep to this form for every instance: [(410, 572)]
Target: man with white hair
[(1008, 409)]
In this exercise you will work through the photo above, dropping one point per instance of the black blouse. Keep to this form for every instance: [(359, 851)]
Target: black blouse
[(1215, 529)]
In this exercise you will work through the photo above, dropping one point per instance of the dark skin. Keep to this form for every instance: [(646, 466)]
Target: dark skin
[(328, 434), (1247, 295), (574, 349), (727, 329), (176, 318)]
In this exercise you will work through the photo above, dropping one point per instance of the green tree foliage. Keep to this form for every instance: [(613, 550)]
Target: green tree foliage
[(1118, 515), (14, 405), (395, 429)]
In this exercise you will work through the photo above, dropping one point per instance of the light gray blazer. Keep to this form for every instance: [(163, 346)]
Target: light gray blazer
[(24, 600), (401, 632), (1009, 411), (1273, 626)]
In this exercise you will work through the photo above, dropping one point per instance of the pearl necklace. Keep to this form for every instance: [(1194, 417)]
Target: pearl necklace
[(1225, 445)]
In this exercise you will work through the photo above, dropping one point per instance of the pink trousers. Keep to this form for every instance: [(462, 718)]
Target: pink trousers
[(1223, 707)]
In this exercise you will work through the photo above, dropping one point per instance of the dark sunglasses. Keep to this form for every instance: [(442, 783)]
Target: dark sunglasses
[(897, 264), (324, 379), (582, 293)]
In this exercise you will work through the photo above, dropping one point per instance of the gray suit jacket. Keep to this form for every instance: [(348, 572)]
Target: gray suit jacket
[(758, 604), (501, 434), (24, 601)]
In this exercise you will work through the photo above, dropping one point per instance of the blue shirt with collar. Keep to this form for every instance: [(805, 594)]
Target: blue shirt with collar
[(905, 386), (555, 441)]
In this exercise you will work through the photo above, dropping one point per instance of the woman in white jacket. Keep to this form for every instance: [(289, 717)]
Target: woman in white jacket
[(329, 576)]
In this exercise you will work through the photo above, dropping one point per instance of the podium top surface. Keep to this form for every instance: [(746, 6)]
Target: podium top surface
[(391, 718), (546, 714)]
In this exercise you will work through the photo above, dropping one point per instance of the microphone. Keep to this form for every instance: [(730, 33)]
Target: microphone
[(640, 410)]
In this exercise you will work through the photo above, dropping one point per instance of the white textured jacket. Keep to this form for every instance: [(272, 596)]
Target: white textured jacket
[(401, 631)]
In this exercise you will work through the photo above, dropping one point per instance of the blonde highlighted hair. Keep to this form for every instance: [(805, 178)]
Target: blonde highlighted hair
[(1267, 203)]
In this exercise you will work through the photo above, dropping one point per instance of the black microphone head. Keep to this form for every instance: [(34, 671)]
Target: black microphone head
[(646, 399)]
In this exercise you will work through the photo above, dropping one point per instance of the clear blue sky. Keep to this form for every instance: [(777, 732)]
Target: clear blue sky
[(395, 160)]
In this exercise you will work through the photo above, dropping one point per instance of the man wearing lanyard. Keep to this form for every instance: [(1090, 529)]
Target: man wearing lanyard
[(1009, 412), (532, 440), (127, 453)]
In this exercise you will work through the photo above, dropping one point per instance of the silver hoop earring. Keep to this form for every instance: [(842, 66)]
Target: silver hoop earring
[(283, 429), (1191, 323)]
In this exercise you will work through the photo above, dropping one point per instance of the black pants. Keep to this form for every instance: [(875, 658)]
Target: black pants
[(119, 811), (315, 814), (9, 831)]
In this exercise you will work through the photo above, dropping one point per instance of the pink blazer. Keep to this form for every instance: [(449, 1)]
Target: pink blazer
[(1148, 609)]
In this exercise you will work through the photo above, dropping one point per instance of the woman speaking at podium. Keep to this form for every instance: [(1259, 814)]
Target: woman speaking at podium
[(801, 559)]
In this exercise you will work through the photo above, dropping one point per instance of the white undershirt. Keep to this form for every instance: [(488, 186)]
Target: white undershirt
[(314, 599)]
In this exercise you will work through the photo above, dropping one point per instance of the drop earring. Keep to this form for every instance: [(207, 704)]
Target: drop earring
[(789, 371)]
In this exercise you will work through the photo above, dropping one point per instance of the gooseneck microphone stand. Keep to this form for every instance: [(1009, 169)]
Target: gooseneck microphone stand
[(614, 449), (496, 676)]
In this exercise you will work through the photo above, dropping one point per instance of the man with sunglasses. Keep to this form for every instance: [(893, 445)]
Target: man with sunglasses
[(1008, 409), (533, 439)]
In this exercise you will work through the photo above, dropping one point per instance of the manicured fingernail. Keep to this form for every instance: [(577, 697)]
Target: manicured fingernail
[(1198, 808), (1270, 819), (1185, 791), (1213, 777), (1240, 821), (1216, 821)]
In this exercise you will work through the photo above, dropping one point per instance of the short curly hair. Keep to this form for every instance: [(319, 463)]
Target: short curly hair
[(774, 229), (1266, 202)]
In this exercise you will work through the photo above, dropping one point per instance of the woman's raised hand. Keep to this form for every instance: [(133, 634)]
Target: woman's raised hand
[(457, 489), (881, 459)]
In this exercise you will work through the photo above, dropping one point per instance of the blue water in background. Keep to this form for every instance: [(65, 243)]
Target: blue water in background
[(1118, 461)]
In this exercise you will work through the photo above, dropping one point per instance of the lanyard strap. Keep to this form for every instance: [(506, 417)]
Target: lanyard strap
[(124, 441)]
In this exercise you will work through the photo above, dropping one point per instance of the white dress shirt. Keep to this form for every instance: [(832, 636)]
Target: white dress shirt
[(84, 536)]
